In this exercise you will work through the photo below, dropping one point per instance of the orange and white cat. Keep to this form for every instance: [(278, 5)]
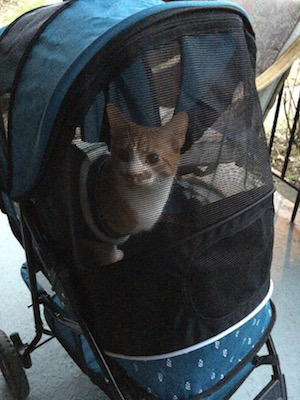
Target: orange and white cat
[(135, 180), (100, 198)]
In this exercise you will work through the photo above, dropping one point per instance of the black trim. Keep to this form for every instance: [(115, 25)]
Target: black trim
[(2, 204), (3, 176)]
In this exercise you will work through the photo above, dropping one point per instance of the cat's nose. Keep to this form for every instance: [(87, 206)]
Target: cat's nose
[(136, 176), (133, 176)]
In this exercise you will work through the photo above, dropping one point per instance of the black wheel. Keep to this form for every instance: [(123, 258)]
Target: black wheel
[(12, 369)]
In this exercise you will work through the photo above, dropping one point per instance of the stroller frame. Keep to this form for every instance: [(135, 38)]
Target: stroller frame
[(42, 298)]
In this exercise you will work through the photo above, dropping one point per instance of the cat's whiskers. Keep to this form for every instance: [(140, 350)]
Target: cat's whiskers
[(135, 171), (140, 179)]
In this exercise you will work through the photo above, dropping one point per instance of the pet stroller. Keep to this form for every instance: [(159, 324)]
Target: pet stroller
[(184, 314)]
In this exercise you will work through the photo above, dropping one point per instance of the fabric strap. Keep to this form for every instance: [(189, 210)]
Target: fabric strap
[(96, 154)]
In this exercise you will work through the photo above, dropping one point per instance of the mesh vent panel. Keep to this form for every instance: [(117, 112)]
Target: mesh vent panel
[(207, 71), (168, 290)]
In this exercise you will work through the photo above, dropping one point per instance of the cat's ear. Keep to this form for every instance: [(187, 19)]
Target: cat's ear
[(117, 121), (177, 129)]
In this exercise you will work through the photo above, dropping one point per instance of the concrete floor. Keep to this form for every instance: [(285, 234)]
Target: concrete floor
[(54, 376)]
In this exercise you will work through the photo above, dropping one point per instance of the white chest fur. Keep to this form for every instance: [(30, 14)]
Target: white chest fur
[(147, 202)]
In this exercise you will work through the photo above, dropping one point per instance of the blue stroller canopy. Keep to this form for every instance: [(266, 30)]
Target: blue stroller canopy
[(44, 51)]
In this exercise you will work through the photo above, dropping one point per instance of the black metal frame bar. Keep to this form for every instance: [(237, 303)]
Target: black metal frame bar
[(39, 328), (282, 175), (276, 388)]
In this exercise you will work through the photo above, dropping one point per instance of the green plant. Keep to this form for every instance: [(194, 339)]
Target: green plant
[(11, 9)]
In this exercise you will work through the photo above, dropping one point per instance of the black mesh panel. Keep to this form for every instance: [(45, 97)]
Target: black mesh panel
[(205, 264)]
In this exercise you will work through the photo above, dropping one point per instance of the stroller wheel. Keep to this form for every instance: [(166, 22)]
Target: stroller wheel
[(12, 369)]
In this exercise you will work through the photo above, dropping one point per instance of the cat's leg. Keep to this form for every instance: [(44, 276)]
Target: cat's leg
[(97, 254), (118, 253)]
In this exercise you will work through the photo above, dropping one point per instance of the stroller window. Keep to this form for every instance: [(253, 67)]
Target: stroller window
[(211, 78)]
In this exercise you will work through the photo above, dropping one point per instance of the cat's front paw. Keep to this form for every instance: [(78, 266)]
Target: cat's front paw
[(118, 254)]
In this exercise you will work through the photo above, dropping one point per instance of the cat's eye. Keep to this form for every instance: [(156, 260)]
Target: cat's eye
[(124, 155), (152, 158)]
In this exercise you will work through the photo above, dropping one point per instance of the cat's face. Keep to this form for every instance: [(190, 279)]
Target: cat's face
[(144, 155)]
